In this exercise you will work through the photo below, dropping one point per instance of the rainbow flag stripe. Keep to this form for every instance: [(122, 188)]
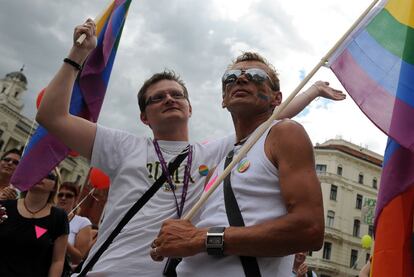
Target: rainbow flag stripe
[(44, 151), (376, 66)]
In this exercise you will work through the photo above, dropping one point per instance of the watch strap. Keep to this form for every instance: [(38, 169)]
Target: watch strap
[(215, 249)]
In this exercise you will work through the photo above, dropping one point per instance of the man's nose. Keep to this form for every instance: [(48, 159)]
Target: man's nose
[(242, 79), (169, 98)]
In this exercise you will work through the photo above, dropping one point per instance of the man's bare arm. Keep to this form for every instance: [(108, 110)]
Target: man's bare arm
[(75, 132), (301, 229), (319, 89)]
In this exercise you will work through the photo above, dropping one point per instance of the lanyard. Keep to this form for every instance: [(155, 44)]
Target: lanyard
[(187, 173)]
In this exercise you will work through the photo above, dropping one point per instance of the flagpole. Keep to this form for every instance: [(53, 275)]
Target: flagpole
[(80, 203), (82, 37), (264, 126)]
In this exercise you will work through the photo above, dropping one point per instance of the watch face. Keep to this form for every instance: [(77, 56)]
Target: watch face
[(218, 240)]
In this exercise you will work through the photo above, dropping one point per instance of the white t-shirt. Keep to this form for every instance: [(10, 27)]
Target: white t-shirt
[(258, 195), (133, 166), (75, 225)]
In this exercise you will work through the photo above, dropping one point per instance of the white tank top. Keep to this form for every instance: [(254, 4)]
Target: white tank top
[(258, 195)]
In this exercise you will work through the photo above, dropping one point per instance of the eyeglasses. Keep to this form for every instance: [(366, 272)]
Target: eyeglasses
[(161, 96), (66, 195), (13, 161), (256, 75), (51, 176)]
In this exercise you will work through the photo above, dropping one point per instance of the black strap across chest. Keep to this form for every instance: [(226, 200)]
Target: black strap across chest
[(250, 265), (131, 212)]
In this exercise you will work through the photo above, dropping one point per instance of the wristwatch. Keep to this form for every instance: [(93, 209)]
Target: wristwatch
[(215, 241)]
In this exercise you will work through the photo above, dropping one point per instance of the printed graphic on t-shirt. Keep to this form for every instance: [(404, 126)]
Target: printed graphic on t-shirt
[(155, 171), (39, 231)]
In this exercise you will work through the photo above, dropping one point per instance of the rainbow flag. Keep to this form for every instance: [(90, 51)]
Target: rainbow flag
[(375, 65), (44, 151)]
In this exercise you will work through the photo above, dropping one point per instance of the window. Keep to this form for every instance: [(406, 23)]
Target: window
[(330, 218), (358, 203), (327, 247), (339, 170), (321, 167), (361, 178), (374, 183), (334, 190), (357, 225), (354, 257), (371, 230)]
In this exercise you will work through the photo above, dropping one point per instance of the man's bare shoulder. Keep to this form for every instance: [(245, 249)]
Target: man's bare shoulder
[(286, 128)]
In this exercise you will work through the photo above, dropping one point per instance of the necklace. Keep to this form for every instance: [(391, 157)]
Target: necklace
[(242, 141), (33, 213)]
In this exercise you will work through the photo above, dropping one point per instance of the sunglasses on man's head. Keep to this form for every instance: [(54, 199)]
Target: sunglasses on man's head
[(256, 75), (161, 96), (66, 195), (51, 176)]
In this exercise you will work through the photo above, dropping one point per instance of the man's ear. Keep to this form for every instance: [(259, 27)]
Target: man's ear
[(144, 118), (190, 109), (276, 99)]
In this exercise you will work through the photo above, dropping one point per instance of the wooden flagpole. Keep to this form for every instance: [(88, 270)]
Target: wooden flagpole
[(82, 37), (265, 125), (80, 202)]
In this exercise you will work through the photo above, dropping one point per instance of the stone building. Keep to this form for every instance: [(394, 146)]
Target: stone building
[(349, 177), (15, 128)]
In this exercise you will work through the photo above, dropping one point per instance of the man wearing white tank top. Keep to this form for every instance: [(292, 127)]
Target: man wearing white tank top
[(134, 163), (275, 186)]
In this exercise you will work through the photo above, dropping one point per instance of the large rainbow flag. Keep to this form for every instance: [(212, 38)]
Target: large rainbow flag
[(375, 65), (44, 151)]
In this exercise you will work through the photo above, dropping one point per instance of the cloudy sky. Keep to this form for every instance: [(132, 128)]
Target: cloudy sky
[(197, 39)]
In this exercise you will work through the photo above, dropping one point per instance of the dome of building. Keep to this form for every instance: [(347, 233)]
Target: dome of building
[(17, 75)]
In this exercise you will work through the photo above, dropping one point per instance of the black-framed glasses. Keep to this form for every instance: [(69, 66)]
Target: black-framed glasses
[(8, 160), (256, 75), (51, 176), (66, 195), (161, 96)]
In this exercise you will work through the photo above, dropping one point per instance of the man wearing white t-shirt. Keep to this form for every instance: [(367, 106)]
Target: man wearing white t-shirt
[(275, 187), (134, 163)]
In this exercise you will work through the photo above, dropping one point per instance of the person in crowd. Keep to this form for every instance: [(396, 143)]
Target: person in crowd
[(272, 191), (79, 238), (134, 163), (34, 234), (300, 268), (9, 160)]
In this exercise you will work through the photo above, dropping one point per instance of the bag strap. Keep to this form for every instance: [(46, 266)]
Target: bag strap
[(132, 211), (250, 265)]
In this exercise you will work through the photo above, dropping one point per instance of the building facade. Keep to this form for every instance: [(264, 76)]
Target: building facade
[(350, 177), (15, 129)]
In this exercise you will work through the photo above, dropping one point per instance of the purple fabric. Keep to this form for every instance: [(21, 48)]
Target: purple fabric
[(397, 174), (44, 151)]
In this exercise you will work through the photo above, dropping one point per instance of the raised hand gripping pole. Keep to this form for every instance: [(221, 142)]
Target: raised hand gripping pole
[(265, 125), (97, 21)]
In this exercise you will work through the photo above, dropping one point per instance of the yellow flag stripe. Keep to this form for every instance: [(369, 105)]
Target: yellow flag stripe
[(402, 11)]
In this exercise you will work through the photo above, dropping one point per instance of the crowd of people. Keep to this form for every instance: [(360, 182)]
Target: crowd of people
[(41, 234), (248, 226)]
